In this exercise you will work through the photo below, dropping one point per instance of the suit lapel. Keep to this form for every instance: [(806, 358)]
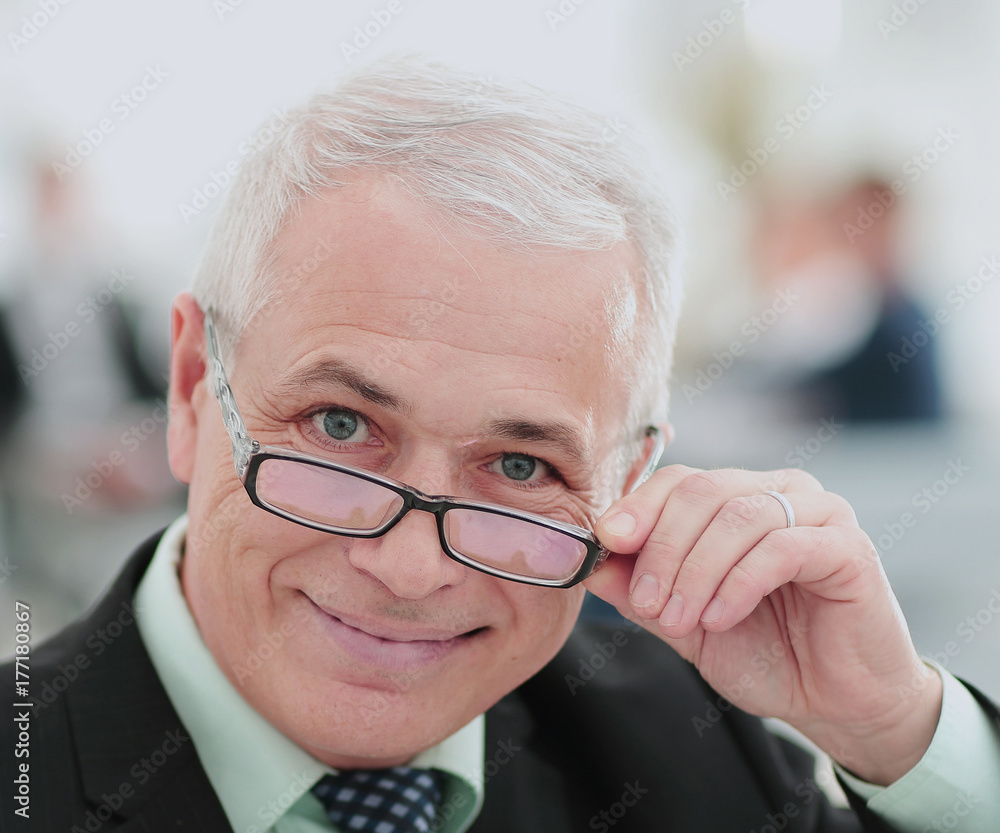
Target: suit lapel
[(135, 756), (524, 792)]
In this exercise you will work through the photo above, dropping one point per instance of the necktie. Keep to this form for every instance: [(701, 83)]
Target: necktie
[(397, 800)]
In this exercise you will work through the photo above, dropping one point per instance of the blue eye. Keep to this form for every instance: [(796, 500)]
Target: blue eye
[(521, 467), (342, 425), (518, 466)]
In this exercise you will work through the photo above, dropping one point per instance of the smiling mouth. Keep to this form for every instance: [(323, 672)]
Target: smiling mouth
[(389, 646)]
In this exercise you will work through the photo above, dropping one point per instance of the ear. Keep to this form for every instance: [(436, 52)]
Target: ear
[(647, 450), (187, 372)]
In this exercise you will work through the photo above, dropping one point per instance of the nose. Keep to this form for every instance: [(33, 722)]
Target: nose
[(408, 559)]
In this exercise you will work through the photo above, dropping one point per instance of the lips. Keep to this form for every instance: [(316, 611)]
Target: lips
[(389, 645)]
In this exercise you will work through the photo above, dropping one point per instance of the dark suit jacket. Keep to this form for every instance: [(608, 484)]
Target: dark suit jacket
[(581, 738)]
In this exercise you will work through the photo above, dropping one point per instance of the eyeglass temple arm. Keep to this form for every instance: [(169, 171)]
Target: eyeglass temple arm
[(243, 444), (659, 444)]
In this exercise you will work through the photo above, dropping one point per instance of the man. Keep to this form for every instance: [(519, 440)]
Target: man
[(434, 285)]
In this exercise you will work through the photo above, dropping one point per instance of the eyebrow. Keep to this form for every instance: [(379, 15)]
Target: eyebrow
[(345, 375), (562, 436)]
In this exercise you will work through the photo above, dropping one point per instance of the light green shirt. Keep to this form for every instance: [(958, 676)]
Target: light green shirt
[(263, 779), (957, 782)]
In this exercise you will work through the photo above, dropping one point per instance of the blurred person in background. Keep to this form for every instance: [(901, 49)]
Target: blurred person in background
[(840, 350), (81, 441)]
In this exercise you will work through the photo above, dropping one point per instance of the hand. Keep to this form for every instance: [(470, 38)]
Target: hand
[(799, 623)]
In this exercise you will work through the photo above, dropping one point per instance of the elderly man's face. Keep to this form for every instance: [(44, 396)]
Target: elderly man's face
[(398, 353)]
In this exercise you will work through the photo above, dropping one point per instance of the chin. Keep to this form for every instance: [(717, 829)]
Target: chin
[(373, 729)]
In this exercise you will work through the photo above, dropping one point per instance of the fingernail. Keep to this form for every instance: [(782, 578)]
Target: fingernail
[(673, 612), (646, 590), (713, 613), (621, 524)]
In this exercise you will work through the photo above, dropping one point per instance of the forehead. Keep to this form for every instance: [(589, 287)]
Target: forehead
[(424, 307)]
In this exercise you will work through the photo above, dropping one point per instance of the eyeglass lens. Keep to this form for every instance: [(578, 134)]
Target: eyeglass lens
[(325, 496), (341, 500)]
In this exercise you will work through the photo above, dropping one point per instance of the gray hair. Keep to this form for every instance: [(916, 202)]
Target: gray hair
[(503, 160)]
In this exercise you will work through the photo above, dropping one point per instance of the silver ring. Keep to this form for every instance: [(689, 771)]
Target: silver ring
[(789, 512)]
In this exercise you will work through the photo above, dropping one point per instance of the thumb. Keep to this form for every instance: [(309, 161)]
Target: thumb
[(611, 582)]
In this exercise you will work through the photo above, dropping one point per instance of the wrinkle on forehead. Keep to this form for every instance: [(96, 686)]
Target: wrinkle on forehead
[(421, 289)]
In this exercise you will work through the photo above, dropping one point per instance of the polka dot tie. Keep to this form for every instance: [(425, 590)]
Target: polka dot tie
[(397, 800)]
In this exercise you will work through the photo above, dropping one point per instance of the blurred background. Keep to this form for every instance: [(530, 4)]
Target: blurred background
[(834, 165)]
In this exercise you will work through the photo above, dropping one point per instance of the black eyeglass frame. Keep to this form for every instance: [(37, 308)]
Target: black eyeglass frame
[(249, 455)]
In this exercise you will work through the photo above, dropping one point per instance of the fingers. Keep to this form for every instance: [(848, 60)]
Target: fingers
[(804, 555), (686, 583), (629, 521), (696, 530)]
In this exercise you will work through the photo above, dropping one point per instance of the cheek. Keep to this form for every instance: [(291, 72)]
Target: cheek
[(537, 623), (543, 619), (232, 548)]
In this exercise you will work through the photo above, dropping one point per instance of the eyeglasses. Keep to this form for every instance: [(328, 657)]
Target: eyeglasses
[(319, 494)]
